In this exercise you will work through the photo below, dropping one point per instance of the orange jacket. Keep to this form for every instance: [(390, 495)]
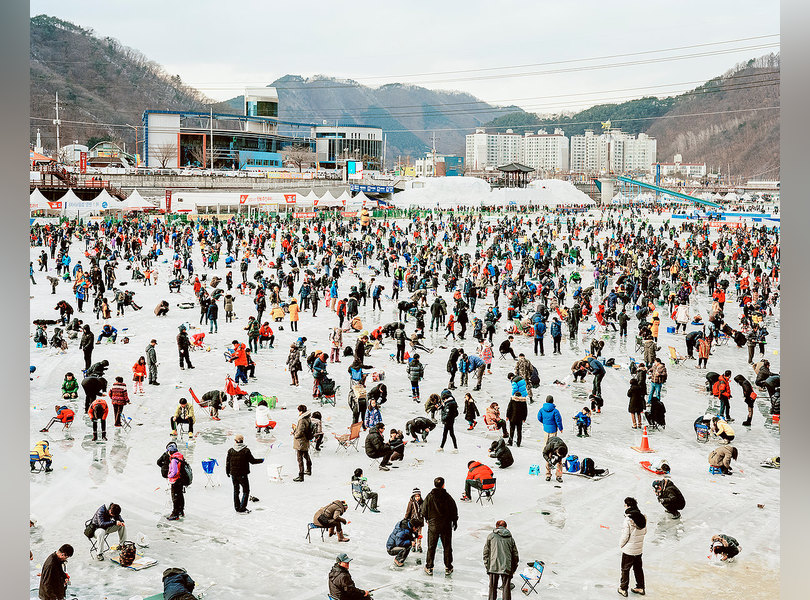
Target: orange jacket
[(480, 472), (139, 370), (293, 308), (241, 356), (265, 331), (100, 401)]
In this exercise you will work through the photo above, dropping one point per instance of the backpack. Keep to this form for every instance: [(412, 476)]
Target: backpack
[(663, 375), (186, 474), (588, 468), (311, 431), (535, 377), (572, 464)]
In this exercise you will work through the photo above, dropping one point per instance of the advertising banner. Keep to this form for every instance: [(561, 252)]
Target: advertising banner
[(168, 201), (354, 169), (82, 162), (304, 215)]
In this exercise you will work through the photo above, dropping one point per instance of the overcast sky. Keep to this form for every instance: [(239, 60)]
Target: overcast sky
[(220, 47)]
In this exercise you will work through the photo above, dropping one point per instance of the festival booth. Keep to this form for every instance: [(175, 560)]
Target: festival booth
[(224, 204), (136, 202)]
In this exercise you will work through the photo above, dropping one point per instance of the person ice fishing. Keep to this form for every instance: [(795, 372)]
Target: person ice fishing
[(107, 520), (341, 584), (501, 560)]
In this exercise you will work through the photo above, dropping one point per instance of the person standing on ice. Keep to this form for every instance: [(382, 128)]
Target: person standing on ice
[(183, 346), (550, 418), (151, 362), (237, 467), (441, 514), (632, 545), (302, 434), (501, 559)]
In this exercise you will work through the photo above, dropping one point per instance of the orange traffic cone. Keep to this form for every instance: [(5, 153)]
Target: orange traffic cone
[(645, 443)]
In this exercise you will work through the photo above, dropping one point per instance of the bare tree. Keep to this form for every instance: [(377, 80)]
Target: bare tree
[(298, 155), (163, 153)]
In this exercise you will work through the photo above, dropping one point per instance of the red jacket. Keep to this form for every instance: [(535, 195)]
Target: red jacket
[(480, 472), (721, 388), (64, 414), (118, 394), (100, 401), (241, 356)]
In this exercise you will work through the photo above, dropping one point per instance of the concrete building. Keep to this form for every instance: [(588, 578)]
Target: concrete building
[(545, 152), (689, 170), (251, 141), (613, 151), (445, 166), (489, 150)]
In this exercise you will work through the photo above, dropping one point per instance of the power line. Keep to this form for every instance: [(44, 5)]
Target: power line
[(542, 64)]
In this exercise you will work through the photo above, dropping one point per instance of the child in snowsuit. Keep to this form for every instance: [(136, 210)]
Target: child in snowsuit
[(70, 387), (583, 419)]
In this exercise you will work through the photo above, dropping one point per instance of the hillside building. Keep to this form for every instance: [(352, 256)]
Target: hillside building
[(613, 151)]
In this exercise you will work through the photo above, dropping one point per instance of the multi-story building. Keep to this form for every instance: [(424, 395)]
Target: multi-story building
[(439, 165), (613, 151), (688, 170), (492, 149), (254, 140), (545, 152)]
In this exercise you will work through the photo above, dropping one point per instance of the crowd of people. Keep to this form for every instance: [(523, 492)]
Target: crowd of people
[(494, 286)]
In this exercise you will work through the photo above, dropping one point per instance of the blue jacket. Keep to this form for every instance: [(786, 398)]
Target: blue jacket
[(556, 330), (473, 362), (319, 367), (596, 366), (550, 417), (401, 536), (519, 385), (539, 329), (581, 417)]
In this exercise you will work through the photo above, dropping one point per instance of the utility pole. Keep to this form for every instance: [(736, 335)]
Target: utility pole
[(211, 128), (57, 122), (433, 136), (385, 142)]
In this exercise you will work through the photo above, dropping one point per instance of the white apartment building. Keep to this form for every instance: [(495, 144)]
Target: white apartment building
[(492, 149), (545, 152), (615, 151), (690, 170)]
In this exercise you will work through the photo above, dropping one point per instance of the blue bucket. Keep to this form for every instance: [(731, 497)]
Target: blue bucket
[(208, 465)]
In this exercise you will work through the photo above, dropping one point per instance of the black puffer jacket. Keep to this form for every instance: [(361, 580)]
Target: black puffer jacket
[(239, 460), (501, 452), (555, 450), (669, 495), (439, 509), (375, 445)]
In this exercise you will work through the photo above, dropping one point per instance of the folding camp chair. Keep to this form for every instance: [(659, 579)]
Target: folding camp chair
[(528, 587), (208, 468), (357, 494), (311, 526), (674, 357), (349, 440), (39, 463), (69, 422), (486, 493), (126, 422), (94, 542), (639, 344)]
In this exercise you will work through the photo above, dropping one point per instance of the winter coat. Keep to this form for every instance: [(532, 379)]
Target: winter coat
[(549, 417), (331, 513), (294, 360), (151, 355), (649, 350), (553, 449), (517, 411), (470, 410), (103, 404), (293, 308), (52, 580), (636, 394), (492, 416), (118, 394), (176, 583), (373, 416), (239, 460), (439, 509), (449, 410), (523, 368), (103, 519), (185, 411), (415, 370), (519, 385), (682, 314), (721, 456), (401, 537), (669, 495), (300, 441), (414, 512), (341, 585), (501, 452), (658, 372), (633, 531), (262, 416), (72, 386), (480, 472), (227, 304), (500, 552), (375, 445)]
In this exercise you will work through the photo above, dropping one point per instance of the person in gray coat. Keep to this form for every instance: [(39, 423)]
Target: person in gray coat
[(151, 362), (501, 560)]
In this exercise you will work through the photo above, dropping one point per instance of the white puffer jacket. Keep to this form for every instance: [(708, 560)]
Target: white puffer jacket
[(262, 416), (632, 537)]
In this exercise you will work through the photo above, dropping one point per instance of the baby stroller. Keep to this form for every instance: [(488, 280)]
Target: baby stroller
[(656, 415), (702, 428)]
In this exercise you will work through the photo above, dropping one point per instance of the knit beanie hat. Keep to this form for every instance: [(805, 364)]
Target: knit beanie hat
[(416, 491)]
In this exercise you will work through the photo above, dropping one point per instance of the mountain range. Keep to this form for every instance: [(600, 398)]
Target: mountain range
[(104, 87)]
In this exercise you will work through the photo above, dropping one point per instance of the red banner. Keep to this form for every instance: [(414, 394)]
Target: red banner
[(304, 215), (54, 205), (242, 198), (168, 201), (348, 214), (83, 162), (290, 198)]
